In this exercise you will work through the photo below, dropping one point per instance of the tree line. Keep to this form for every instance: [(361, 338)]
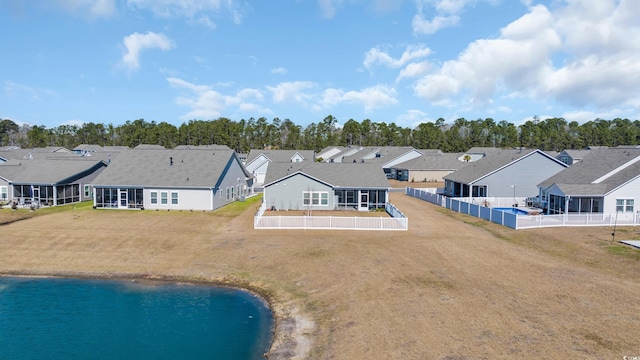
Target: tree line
[(552, 134)]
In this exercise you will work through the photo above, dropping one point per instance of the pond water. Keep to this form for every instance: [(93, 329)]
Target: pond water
[(94, 319)]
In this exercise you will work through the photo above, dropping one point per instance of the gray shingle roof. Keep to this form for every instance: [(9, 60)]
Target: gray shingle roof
[(281, 156), (448, 161), (202, 147), (171, 168), (386, 154), (339, 175), (36, 154), (51, 171), (580, 177), (149, 147)]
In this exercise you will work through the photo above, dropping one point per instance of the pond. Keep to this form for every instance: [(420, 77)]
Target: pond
[(53, 318)]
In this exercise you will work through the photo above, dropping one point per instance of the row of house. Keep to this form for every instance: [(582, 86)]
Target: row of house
[(208, 177), (202, 178), (593, 180)]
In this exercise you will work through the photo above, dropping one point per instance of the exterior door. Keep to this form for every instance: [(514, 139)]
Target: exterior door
[(123, 198), (36, 193), (364, 201)]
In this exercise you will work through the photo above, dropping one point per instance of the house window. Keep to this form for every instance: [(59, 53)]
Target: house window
[(87, 190), (228, 194), (154, 197), (4, 193), (174, 198), (163, 198), (624, 205), (320, 198)]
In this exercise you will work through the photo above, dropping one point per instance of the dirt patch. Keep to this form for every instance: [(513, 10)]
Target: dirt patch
[(451, 287)]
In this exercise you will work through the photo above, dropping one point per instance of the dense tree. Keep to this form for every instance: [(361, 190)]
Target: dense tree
[(8, 132), (550, 134)]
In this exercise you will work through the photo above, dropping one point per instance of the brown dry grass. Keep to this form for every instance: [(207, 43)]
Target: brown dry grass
[(452, 287)]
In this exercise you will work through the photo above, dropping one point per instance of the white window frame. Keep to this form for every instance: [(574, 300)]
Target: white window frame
[(176, 198), (153, 197), (625, 205), (315, 198), (87, 190), (164, 198), (4, 193)]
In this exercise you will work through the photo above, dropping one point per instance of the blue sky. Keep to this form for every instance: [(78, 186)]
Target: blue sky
[(408, 62)]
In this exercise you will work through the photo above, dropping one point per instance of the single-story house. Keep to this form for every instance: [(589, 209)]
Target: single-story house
[(48, 182), (428, 168), (503, 173), (172, 180), (385, 156), (324, 186), (258, 161), (605, 180)]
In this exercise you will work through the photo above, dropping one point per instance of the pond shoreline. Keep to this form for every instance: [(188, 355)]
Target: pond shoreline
[(287, 335)]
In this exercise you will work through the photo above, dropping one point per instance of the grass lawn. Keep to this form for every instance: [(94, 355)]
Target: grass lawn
[(451, 287)]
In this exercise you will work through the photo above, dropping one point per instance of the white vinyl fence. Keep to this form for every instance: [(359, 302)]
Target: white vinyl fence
[(398, 221), (478, 208)]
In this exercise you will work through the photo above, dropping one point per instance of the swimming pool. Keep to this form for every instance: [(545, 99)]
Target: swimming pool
[(512, 210)]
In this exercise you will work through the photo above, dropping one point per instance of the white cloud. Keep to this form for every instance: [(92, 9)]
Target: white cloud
[(12, 88), (297, 91), (603, 42), (373, 97), (136, 43), (427, 27), (205, 21), (446, 15), (412, 118), (582, 54), (377, 56), (519, 60), (414, 70), (370, 98), (190, 8), (279, 70), (89, 8), (206, 103), (328, 7)]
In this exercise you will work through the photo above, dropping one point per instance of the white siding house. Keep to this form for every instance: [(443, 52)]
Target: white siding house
[(503, 173), (172, 180), (325, 186), (258, 161), (604, 181)]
